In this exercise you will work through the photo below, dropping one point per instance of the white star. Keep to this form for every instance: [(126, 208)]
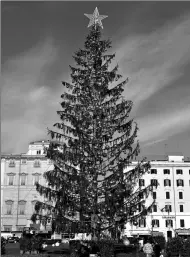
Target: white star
[(95, 18)]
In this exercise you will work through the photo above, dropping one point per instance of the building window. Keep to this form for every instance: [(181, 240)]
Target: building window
[(182, 223), (180, 195), (154, 182), (180, 182), (11, 163), (181, 208), (168, 208), (36, 178), (167, 182), (21, 207), (23, 179), (20, 228), (11, 179), (166, 171), (24, 161), (39, 152), (141, 195), (179, 172), (141, 182), (33, 205), (36, 163), (155, 223), (167, 195), (169, 223), (8, 228), (142, 223), (9, 207), (154, 195), (153, 171), (154, 208)]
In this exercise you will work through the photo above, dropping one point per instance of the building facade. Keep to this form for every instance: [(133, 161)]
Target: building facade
[(19, 173), (170, 214)]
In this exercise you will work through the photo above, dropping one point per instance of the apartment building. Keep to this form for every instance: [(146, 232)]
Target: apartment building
[(171, 213), (19, 173)]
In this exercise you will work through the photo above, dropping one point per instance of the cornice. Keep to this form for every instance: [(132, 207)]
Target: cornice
[(21, 157)]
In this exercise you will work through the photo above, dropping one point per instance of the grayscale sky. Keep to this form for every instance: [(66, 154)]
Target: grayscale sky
[(152, 45)]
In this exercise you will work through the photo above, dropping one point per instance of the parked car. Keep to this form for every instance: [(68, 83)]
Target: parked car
[(55, 247)]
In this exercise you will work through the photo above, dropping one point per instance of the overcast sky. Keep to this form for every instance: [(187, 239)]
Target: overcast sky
[(152, 45)]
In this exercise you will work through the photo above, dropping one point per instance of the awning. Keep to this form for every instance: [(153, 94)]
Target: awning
[(157, 233), (183, 231), (141, 232)]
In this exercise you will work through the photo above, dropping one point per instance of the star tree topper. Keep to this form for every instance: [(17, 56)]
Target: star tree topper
[(95, 18)]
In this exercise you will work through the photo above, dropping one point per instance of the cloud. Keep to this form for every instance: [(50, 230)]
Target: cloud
[(153, 61), (160, 127), (27, 103)]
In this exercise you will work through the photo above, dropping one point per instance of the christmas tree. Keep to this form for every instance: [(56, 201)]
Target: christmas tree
[(94, 143)]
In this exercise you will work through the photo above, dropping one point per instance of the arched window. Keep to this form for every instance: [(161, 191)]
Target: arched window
[(180, 182), (9, 207), (21, 207), (23, 179), (33, 205), (167, 182), (11, 177), (36, 178)]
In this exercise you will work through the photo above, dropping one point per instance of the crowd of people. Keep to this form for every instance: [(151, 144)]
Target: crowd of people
[(85, 249)]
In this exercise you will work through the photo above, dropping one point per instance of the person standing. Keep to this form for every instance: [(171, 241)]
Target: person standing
[(148, 249), (157, 250)]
